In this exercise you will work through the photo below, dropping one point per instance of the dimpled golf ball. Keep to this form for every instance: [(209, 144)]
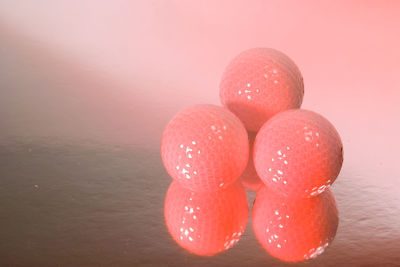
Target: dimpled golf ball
[(206, 223), (298, 153), (205, 148), (249, 178), (291, 229), (259, 83)]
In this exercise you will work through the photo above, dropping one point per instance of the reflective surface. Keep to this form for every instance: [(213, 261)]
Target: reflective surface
[(87, 203), (87, 89)]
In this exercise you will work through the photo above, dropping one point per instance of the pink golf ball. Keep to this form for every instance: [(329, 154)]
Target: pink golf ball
[(205, 148), (249, 178), (298, 153), (259, 83)]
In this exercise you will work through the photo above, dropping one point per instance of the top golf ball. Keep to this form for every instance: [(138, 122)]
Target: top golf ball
[(258, 84)]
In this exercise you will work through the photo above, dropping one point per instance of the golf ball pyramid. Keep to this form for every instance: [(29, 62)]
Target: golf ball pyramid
[(261, 140)]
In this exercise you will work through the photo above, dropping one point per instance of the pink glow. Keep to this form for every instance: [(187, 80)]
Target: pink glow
[(117, 71)]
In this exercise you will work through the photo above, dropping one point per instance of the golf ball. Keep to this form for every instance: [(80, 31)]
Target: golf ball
[(205, 148), (259, 83), (298, 153), (249, 178)]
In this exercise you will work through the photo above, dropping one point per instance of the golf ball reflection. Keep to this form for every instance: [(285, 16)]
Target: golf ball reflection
[(206, 223), (294, 230)]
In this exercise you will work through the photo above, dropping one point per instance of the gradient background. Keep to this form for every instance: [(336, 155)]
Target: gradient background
[(86, 88)]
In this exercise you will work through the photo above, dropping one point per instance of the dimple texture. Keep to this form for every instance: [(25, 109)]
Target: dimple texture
[(258, 84), (298, 153), (294, 230), (205, 148), (206, 223), (249, 178)]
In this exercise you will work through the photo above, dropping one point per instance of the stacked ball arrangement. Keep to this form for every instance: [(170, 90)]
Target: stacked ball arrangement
[(290, 156)]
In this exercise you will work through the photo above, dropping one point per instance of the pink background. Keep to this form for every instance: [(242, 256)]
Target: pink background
[(116, 71)]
